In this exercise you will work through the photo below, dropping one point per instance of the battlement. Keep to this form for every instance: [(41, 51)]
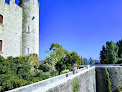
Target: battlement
[(11, 6), (29, 2)]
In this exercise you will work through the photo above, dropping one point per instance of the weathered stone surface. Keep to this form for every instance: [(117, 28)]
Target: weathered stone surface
[(115, 74), (11, 29), (86, 80), (13, 33)]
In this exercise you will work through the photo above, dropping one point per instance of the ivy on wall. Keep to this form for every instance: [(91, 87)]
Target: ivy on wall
[(75, 86), (108, 82)]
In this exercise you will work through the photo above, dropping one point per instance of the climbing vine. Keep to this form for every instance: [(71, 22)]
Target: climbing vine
[(108, 82), (75, 86)]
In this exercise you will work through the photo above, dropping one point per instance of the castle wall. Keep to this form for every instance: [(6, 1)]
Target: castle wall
[(11, 29)]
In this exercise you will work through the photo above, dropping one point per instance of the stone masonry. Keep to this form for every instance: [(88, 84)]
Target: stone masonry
[(19, 31)]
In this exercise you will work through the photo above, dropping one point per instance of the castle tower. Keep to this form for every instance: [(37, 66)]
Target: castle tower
[(30, 26)]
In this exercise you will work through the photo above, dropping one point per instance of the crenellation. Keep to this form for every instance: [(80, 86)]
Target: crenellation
[(12, 1), (2, 1)]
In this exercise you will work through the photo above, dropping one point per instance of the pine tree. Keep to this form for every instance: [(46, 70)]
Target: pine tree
[(91, 61), (81, 60), (103, 55)]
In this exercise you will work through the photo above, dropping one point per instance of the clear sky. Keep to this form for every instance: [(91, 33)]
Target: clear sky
[(79, 25)]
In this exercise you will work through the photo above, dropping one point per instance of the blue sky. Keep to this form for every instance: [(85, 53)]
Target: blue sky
[(79, 25)]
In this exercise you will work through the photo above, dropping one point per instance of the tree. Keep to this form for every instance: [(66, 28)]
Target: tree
[(68, 62), (57, 52), (109, 54), (81, 60), (91, 61), (103, 55), (112, 53), (119, 44), (84, 62)]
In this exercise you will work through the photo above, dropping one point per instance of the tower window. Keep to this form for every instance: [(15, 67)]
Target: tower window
[(1, 19), (28, 51), (0, 45), (28, 29)]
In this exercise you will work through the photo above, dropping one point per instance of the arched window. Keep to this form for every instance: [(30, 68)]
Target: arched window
[(28, 50), (1, 19)]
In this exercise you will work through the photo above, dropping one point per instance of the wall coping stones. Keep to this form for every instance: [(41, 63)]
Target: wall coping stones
[(42, 84)]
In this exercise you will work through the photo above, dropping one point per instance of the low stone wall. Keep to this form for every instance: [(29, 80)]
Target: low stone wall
[(63, 83), (86, 80), (115, 74)]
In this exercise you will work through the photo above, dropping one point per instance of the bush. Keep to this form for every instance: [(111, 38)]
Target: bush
[(20, 71), (53, 72), (65, 71), (108, 82), (75, 86)]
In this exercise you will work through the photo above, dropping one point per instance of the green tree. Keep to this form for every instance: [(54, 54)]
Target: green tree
[(84, 62), (109, 54), (68, 62), (57, 52), (91, 61), (119, 44), (81, 60), (112, 53), (103, 54)]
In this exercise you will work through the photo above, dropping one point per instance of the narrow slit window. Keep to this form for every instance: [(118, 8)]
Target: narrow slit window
[(28, 29), (28, 51), (1, 19), (0, 45)]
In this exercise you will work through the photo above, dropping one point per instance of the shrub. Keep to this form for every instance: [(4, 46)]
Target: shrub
[(108, 82), (65, 71), (75, 86)]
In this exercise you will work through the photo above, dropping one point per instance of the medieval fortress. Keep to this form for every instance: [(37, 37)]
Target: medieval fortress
[(19, 28)]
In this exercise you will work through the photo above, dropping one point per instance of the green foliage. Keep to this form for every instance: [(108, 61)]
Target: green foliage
[(109, 54), (108, 82), (84, 62), (103, 54), (19, 71), (119, 43), (81, 60), (91, 61), (53, 72), (68, 62), (75, 86), (63, 72)]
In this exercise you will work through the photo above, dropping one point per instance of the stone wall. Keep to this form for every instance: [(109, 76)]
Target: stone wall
[(115, 74), (11, 29), (86, 80)]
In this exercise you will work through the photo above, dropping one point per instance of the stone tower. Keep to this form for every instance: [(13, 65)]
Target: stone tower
[(30, 26)]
